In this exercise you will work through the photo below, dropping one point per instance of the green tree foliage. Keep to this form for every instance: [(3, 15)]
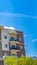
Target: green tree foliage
[(20, 61)]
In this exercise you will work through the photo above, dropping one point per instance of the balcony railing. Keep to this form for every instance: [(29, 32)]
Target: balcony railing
[(16, 48), (14, 39)]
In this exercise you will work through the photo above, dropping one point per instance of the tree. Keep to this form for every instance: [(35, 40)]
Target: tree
[(22, 60), (10, 60)]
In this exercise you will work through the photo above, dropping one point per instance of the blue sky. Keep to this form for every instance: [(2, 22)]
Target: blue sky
[(22, 15)]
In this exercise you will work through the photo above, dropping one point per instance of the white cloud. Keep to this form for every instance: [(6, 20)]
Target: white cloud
[(34, 40), (9, 27), (17, 15)]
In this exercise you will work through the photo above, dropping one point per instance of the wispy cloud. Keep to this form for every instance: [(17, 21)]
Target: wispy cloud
[(9, 27), (17, 15), (34, 40), (25, 35)]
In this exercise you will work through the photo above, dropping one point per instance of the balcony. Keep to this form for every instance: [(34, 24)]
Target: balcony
[(15, 40), (12, 32), (13, 48)]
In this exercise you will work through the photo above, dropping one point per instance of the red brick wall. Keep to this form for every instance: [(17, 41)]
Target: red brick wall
[(22, 51), (20, 34)]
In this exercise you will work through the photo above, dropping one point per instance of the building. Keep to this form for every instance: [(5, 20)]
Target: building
[(34, 57), (11, 42)]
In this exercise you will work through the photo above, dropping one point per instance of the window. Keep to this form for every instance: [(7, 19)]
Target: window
[(5, 54), (12, 39), (12, 47), (5, 37), (20, 47), (19, 38), (5, 45)]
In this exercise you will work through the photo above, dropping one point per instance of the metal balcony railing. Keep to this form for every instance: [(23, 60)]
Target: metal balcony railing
[(11, 48), (14, 39)]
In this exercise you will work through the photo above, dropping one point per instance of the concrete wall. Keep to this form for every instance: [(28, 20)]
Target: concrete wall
[(1, 62), (5, 41)]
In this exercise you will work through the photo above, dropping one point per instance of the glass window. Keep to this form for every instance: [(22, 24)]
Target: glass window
[(5, 45), (19, 38), (5, 54), (20, 47), (5, 37), (12, 39), (12, 47)]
